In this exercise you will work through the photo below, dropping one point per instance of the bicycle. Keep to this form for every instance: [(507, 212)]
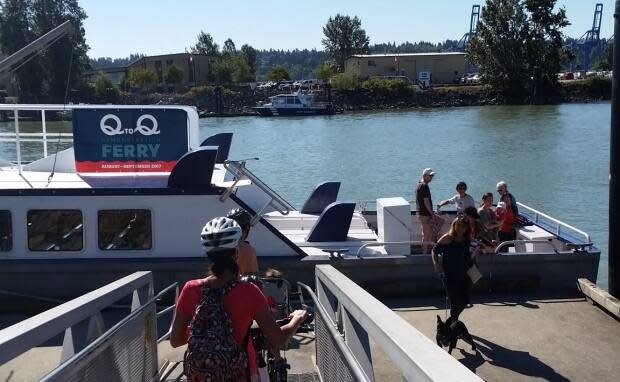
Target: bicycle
[(272, 365)]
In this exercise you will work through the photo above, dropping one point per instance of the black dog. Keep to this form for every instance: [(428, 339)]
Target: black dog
[(450, 331)]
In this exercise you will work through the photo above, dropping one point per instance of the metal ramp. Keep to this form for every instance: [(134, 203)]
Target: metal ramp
[(349, 322)]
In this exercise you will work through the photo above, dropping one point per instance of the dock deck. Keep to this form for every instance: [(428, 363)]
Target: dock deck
[(520, 338)]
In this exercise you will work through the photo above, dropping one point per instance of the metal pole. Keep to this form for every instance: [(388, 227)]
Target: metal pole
[(44, 133), (614, 157), (17, 142)]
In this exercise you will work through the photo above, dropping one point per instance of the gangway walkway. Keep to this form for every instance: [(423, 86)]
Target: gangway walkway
[(357, 338)]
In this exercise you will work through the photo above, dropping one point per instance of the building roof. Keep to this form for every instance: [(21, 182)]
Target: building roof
[(160, 56), (407, 54)]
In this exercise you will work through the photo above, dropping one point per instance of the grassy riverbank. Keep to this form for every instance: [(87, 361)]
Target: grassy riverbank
[(375, 96)]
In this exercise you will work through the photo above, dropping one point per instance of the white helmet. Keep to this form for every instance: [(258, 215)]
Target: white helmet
[(220, 233)]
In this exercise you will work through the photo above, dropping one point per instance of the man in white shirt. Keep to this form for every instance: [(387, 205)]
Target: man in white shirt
[(461, 199)]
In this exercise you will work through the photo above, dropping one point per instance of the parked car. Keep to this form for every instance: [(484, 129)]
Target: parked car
[(307, 84), (569, 76), (285, 85)]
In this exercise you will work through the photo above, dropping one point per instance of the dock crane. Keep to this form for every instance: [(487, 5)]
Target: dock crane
[(591, 39), (30, 51), (473, 23)]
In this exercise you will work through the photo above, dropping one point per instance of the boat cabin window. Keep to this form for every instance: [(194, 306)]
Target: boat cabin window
[(290, 100), (124, 230), (6, 233), (297, 101), (55, 230)]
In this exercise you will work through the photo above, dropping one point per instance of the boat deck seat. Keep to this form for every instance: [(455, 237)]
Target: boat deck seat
[(296, 220), (355, 235)]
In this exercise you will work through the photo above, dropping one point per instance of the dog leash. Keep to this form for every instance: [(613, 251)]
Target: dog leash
[(442, 277)]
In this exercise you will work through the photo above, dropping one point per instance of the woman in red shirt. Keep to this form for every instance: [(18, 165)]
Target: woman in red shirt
[(242, 302), (506, 217)]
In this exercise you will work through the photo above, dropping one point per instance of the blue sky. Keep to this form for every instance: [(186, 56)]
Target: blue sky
[(116, 28)]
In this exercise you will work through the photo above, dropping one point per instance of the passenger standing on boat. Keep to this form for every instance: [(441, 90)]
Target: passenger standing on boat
[(454, 248), (430, 221), (246, 259), (462, 199), (507, 197), (241, 302), (489, 218), (507, 230)]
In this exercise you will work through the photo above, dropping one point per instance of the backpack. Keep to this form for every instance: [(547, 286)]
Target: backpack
[(212, 353)]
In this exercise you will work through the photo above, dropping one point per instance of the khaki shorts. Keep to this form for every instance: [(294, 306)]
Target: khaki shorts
[(430, 230)]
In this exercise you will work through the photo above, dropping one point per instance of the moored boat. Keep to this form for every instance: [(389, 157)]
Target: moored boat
[(137, 185), (293, 104)]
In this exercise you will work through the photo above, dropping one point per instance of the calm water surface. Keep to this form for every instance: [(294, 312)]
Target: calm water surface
[(554, 158)]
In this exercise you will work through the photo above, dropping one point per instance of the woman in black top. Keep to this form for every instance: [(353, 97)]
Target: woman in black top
[(455, 260)]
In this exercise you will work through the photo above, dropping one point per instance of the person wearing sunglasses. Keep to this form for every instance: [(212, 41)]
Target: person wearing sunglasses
[(507, 197), (430, 221), (462, 199)]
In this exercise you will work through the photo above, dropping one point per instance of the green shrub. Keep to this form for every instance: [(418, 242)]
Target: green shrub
[(343, 81), (105, 90), (387, 86)]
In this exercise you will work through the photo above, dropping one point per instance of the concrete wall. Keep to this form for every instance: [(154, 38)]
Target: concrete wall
[(445, 67)]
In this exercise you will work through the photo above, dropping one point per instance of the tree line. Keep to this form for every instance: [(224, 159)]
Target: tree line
[(519, 48), (44, 78)]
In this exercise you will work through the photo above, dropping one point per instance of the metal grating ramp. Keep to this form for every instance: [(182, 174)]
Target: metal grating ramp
[(304, 377)]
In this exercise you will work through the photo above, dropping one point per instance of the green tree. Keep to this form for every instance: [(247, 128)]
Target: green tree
[(67, 53), (15, 33), (344, 36), (206, 45), (607, 61), (324, 72), (46, 77), (518, 47), (249, 56), (223, 70), (142, 77), (229, 49), (241, 72), (105, 90), (279, 73), (173, 75)]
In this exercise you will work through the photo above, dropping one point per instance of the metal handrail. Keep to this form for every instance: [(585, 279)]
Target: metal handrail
[(33, 331), (514, 242), (381, 243), (558, 223), (344, 350), (364, 319), (169, 309), (239, 170)]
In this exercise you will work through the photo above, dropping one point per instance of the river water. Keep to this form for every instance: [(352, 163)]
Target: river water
[(554, 158)]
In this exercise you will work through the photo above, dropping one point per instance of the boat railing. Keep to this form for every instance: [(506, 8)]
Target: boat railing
[(239, 171), (43, 137), (127, 351), (382, 243), (552, 223), (348, 319), (518, 243)]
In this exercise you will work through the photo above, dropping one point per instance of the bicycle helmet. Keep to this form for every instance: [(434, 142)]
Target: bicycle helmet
[(242, 217), (219, 234)]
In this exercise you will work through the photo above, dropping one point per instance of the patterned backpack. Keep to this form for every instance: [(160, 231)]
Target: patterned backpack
[(212, 353)]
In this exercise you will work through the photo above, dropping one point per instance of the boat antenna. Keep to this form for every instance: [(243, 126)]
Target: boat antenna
[(62, 117)]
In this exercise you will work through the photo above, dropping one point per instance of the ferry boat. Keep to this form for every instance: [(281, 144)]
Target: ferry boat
[(137, 186), (297, 103)]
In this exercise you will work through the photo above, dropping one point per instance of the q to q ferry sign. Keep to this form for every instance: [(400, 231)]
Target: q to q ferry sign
[(129, 140)]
